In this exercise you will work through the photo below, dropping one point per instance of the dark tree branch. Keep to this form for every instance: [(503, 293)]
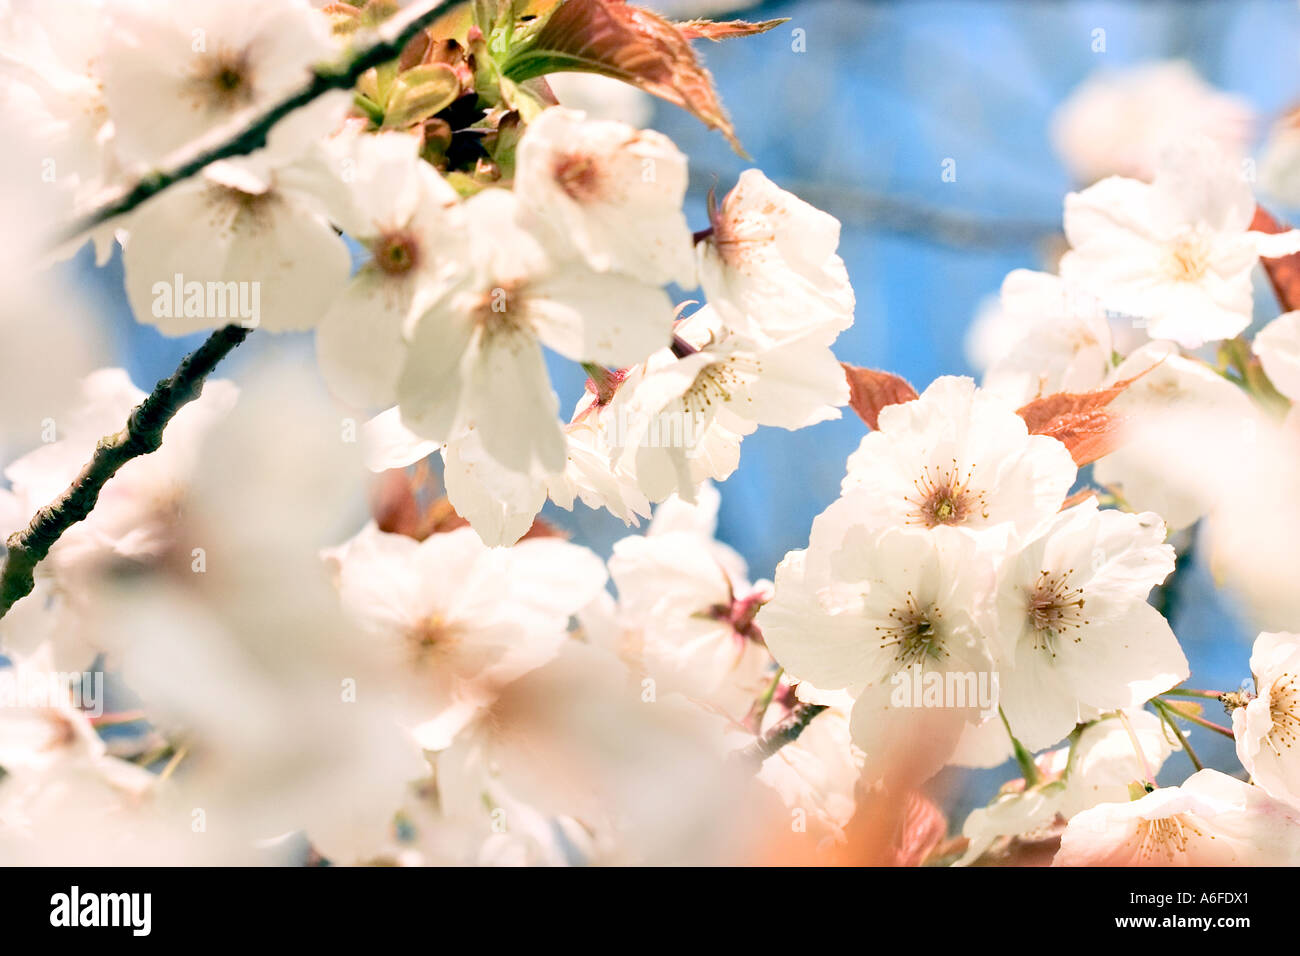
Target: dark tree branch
[(143, 434), (392, 39)]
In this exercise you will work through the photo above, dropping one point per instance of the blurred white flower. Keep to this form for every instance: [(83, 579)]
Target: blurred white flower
[(1175, 254), (1058, 339), (51, 88), (1279, 164), (135, 515), (771, 258), (610, 192), (687, 599), (1024, 813), (1267, 728), (1170, 385), (174, 70), (458, 619), (1278, 347), (266, 255), (1119, 122), (1078, 634), (1210, 820), (611, 758), (818, 772)]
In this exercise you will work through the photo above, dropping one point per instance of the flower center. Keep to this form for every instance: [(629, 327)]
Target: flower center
[(713, 383), (579, 175), (223, 81), (433, 638), (396, 253), (1283, 707), (501, 310), (1188, 258), (1166, 837), (1054, 608), (914, 632), (945, 497)]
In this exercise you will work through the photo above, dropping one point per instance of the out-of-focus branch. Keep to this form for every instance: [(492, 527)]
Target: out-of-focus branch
[(393, 36), (785, 732), (142, 435)]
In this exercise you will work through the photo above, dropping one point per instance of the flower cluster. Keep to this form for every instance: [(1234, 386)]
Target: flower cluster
[(203, 660)]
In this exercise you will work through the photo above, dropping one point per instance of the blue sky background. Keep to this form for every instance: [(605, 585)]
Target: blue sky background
[(859, 124)]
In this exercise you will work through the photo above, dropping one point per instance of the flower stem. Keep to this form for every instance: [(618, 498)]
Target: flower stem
[(1167, 715), (1207, 724), (194, 157), (1028, 769), (754, 721), (142, 435), (1193, 692), (1147, 776)]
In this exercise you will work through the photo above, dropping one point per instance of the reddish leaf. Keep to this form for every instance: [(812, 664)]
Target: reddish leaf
[(712, 30), (1080, 421), (921, 829), (1283, 273), (870, 390), (630, 44), (393, 503), (1078, 498)]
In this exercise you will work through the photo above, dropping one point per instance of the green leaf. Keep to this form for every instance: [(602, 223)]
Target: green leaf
[(419, 93)]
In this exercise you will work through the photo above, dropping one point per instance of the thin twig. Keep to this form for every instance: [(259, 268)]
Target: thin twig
[(785, 732), (142, 435), (1194, 692), (1207, 724), (392, 38)]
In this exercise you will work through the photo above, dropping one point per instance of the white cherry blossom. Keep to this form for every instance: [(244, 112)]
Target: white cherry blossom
[(1061, 342), (1103, 761), (956, 457), (1077, 631), (1175, 254), (266, 255), (1119, 122), (1267, 727), (134, 517), (772, 258), (475, 358), (463, 619), (687, 599), (403, 212), (1210, 820), (174, 70), (1169, 385), (680, 417), (881, 612), (612, 192), (1278, 347)]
